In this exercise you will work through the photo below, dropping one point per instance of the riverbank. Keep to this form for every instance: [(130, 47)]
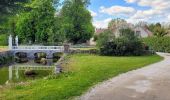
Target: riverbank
[(81, 72)]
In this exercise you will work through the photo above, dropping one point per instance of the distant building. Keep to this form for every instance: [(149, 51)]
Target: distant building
[(142, 31), (99, 31)]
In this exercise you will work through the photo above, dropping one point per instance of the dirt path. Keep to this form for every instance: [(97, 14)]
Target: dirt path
[(149, 83)]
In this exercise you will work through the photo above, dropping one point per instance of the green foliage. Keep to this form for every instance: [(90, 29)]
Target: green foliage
[(116, 22), (104, 37), (9, 8), (84, 71), (77, 19), (161, 44), (158, 30), (122, 47), (3, 39), (128, 33), (126, 45), (39, 25), (57, 37)]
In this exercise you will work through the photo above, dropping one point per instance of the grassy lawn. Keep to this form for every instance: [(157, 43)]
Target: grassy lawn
[(4, 47), (83, 71)]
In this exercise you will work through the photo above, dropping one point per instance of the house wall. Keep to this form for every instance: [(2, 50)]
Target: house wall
[(143, 33)]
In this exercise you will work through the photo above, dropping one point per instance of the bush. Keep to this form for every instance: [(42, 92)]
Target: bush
[(104, 37), (127, 44), (122, 47), (158, 44)]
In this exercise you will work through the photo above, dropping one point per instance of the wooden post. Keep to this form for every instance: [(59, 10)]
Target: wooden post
[(10, 72)]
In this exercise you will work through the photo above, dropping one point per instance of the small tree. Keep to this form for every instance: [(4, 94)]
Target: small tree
[(104, 37), (158, 30)]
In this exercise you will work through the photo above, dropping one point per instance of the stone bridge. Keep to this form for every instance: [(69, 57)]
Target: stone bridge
[(31, 50)]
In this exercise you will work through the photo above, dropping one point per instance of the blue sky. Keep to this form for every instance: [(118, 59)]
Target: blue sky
[(131, 10)]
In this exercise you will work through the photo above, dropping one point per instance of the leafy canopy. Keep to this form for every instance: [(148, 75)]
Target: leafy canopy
[(77, 21), (158, 30), (38, 25)]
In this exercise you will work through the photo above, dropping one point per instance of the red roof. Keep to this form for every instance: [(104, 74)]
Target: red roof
[(100, 30)]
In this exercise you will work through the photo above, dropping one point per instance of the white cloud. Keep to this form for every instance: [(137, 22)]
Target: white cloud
[(102, 23), (117, 10), (159, 9), (169, 17), (93, 14), (130, 1)]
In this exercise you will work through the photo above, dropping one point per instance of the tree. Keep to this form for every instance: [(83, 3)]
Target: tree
[(77, 21), (114, 23), (10, 7), (128, 33), (38, 25), (158, 30), (104, 37)]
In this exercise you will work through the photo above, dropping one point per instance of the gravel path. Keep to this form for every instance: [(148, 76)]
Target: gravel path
[(149, 83)]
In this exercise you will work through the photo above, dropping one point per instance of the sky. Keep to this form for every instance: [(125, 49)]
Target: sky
[(133, 11)]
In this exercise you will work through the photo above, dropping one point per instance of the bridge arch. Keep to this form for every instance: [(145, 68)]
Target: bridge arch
[(21, 57)]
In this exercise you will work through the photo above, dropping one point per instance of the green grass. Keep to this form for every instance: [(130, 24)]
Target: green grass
[(84, 71), (4, 47), (3, 39)]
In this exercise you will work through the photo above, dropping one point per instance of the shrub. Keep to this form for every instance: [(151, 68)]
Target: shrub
[(158, 44), (104, 37), (126, 44), (122, 47)]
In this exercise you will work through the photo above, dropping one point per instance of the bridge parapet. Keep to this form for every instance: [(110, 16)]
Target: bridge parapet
[(55, 48)]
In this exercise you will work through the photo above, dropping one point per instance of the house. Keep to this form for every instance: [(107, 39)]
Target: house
[(142, 31), (99, 30)]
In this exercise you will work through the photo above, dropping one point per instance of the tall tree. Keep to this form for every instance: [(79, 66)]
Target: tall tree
[(38, 25), (9, 7), (77, 21)]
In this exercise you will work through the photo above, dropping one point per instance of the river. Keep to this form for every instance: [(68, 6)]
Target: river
[(4, 71)]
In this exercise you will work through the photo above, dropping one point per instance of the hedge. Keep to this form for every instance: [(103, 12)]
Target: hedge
[(158, 44)]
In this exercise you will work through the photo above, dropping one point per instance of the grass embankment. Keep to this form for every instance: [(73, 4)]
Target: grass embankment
[(84, 71)]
